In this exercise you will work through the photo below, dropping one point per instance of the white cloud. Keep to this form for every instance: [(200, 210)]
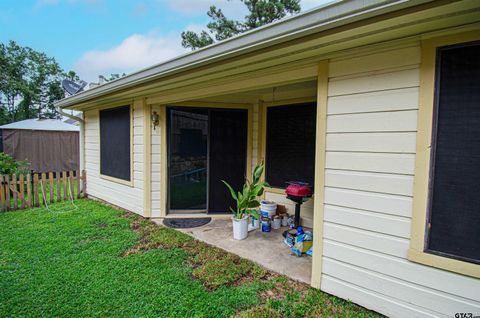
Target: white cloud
[(233, 9), (309, 4), (133, 53), (196, 27)]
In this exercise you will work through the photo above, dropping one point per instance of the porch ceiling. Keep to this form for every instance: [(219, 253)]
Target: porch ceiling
[(301, 90)]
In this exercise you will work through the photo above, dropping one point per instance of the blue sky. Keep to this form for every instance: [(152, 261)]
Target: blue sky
[(96, 37)]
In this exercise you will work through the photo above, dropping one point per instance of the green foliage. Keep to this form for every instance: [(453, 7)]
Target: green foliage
[(9, 166), (261, 12), (30, 83), (247, 199)]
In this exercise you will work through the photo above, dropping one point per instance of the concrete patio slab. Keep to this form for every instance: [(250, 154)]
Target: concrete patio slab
[(266, 249)]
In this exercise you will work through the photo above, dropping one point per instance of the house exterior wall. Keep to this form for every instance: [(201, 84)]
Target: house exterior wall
[(129, 197), (156, 186), (372, 107)]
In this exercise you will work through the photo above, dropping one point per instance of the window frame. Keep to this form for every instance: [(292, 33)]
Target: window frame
[(263, 114), (425, 136), (107, 177)]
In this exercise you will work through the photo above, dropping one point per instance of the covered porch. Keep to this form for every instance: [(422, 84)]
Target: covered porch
[(293, 99)]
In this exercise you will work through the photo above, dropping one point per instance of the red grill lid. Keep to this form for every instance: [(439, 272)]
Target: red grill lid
[(298, 189)]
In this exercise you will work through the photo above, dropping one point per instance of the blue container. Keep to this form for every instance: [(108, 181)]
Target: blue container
[(266, 225)]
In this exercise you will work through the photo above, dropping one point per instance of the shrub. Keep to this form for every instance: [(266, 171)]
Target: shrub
[(9, 166)]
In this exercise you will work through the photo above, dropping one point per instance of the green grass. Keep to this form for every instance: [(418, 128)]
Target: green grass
[(98, 261)]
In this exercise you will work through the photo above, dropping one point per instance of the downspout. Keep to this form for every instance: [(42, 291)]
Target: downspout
[(82, 135)]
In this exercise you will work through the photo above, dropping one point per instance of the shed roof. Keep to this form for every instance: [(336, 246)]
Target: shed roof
[(41, 124)]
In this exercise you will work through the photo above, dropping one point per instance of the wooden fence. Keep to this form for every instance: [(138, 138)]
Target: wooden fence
[(29, 190)]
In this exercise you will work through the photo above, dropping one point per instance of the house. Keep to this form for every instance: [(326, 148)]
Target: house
[(374, 102), (49, 145)]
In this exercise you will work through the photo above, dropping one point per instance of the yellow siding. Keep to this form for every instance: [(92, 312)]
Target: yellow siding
[(124, 196), (370, 155)]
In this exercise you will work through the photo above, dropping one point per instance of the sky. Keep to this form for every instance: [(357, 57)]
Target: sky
[(94, 37)]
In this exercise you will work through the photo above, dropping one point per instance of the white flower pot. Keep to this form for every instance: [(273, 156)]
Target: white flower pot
[(240, 228)]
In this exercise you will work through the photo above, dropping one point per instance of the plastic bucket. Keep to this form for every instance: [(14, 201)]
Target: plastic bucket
[(268, 209), (240, 228)]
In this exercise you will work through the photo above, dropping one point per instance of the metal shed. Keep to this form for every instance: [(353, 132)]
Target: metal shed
[(48, 144)]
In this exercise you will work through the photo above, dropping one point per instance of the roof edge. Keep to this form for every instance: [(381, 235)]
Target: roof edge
[(328, 16)]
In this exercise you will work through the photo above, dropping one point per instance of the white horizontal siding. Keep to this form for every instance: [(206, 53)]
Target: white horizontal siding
[(124, 196), (395, 142), (371, 162), (370, 157), (373, 122)]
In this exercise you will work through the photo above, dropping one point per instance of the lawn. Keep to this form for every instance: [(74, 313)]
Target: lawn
[(102, 262)]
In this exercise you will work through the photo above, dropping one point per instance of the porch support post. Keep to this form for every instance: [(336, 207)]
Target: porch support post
[(163, 161), (147, 159), (320, 141)]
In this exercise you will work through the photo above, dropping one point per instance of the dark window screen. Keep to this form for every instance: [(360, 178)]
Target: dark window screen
[(228, 156), (115, 142), (290, 151), (455, 176)]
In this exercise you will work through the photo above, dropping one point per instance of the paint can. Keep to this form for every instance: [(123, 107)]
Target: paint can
[(268, 208), (277, 222), (266, 225)]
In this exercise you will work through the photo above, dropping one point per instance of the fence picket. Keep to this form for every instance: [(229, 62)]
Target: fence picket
[(29, 190), (65, 186), (35, 190), (78, 183), (44, 188), (72, 186), (7, 192), (2, 194), (59, 193), (22, 191), (13, 188), (52, 190)]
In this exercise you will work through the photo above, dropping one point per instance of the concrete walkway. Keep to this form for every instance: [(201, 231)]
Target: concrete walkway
[(266, 249)]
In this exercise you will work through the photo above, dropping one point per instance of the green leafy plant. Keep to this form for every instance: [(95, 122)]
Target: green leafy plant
[(9, 166), (247, 199)]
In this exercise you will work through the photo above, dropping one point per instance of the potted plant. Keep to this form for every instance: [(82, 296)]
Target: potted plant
[(246, 202)]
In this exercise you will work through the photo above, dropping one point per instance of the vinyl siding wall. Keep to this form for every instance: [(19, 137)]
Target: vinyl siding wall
[(370, 154), (156, 166), (124, 196)]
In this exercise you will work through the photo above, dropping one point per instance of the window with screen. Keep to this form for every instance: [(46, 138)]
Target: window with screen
[(115, 143), (454, 207), (290, 144)]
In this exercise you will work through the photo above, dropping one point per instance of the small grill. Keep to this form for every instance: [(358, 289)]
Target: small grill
[(298, 192)]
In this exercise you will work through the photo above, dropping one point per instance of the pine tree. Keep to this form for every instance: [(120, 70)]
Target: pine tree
[(261, 12)]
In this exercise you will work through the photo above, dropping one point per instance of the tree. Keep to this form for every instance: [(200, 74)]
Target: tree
[(261, 12), (30, 83), (115, 76)]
